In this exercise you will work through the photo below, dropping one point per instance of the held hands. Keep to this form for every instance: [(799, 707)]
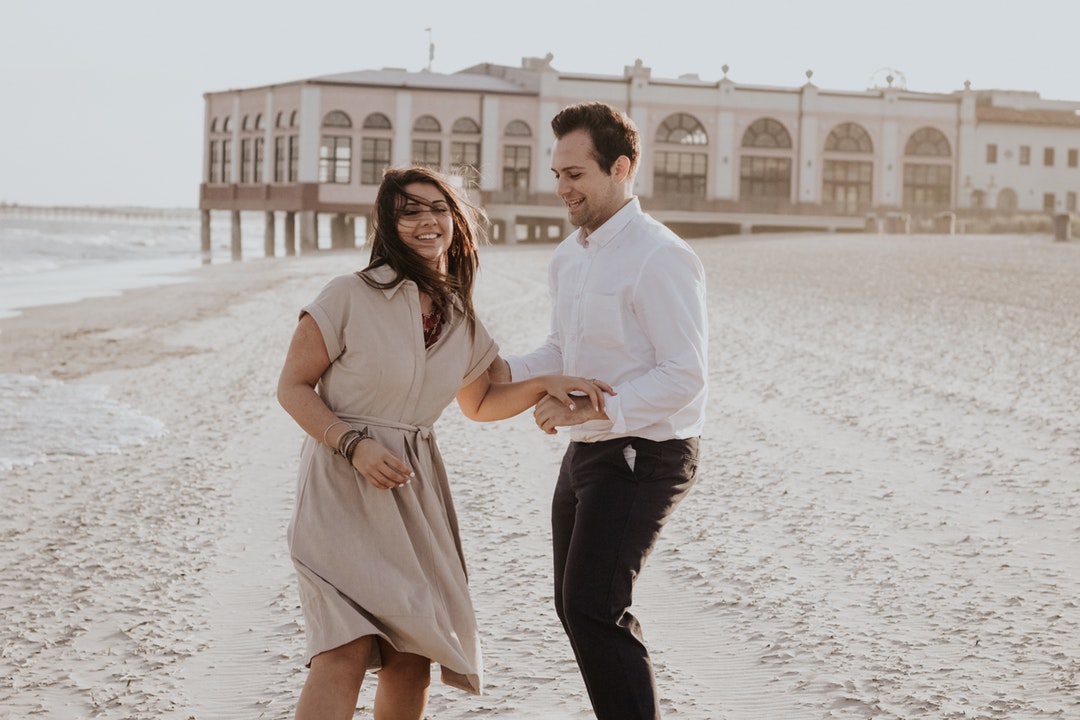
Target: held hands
[(379, 466), (574, 391), (570, 401)]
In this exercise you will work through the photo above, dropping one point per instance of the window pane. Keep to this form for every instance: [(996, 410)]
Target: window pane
[(279, 159), (680, 173), (374, 156), (927, 187), (847, 185)]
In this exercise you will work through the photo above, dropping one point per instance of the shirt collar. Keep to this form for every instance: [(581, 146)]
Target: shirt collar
[(611, 227), (385, 273)]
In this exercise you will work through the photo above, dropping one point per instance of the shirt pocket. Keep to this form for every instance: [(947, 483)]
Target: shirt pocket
[(602, 320)]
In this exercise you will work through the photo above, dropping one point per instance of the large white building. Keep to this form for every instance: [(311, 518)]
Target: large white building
[(718, 156)]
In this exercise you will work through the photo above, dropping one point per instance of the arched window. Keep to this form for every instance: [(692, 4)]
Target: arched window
[(847, 180), (765, 164), (377, 121), (678, 172), (683, 129), (335, 149), (928, 142), (466, 126), (849, 138), (518, 128), (375, 148), (259, 122), (293, 118), (426, 123), (465, 153), (286, 150), (337, 119), (226, 124), (213, 125), (766, 133), (244, 123), (928, 172), (427, 152), (517, 161)]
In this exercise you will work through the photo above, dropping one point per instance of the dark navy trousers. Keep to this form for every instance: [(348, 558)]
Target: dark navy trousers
[(606, 518)]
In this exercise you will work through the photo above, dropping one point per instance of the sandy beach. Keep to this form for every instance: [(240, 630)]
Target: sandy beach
[(885, 523)]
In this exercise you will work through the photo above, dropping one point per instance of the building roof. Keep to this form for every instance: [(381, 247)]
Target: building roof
[(1016, 116), (401, 78)]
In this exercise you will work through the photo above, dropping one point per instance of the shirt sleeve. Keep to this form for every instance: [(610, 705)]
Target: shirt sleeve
[(677, 326), (484, 350), (548, 358), (330, 309)]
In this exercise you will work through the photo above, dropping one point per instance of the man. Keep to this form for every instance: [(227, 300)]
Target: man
[(628, 307)]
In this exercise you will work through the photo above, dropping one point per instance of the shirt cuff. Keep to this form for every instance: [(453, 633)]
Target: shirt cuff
[(613, 409)]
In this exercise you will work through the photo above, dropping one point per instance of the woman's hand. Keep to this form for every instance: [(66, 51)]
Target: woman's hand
[(380, 467), (571, 391)]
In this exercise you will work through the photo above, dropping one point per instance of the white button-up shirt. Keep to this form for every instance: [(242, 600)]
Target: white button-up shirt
[(628, 307)]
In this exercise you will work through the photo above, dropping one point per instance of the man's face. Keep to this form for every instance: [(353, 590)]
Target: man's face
[(591, 195)]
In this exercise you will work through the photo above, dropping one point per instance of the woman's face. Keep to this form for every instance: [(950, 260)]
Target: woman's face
[(427, 227)]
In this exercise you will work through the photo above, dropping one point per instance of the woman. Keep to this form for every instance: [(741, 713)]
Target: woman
[(373, 362)]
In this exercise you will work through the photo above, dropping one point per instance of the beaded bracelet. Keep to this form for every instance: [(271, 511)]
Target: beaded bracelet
[(344, 440), (349, 440), (351, 447)]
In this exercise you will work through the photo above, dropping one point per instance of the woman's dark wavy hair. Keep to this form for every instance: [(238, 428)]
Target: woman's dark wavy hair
[(462, 261), (613, 133)]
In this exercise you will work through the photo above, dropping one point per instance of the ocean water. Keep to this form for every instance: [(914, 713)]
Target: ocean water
[(28, 404), (56, 258)]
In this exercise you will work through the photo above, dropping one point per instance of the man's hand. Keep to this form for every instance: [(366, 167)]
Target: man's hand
[(550, 413)]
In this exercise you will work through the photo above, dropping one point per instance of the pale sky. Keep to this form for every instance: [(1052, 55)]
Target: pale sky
[(101, 101)]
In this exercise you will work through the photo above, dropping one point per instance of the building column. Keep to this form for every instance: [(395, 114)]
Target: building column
[(309, 231), (269, 235), (237, 254), (204, 237), (290, 233), (337, 231), (350, 231), (504, 227)]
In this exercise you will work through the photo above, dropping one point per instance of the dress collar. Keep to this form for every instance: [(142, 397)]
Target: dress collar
[(385, 273)]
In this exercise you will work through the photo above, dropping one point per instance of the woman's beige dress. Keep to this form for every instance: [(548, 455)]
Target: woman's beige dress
[(387, 562)]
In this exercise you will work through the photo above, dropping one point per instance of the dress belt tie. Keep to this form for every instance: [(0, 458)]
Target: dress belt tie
[(425, 433)]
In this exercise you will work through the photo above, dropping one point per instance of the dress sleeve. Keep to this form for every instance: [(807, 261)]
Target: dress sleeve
[(330, 310), (484, 351)]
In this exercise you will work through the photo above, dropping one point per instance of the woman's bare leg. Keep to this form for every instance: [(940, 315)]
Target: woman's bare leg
[(404, 679), (333, 682)]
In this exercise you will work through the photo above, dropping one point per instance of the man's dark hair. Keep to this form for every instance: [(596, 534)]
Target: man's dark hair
[(612, 132)]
